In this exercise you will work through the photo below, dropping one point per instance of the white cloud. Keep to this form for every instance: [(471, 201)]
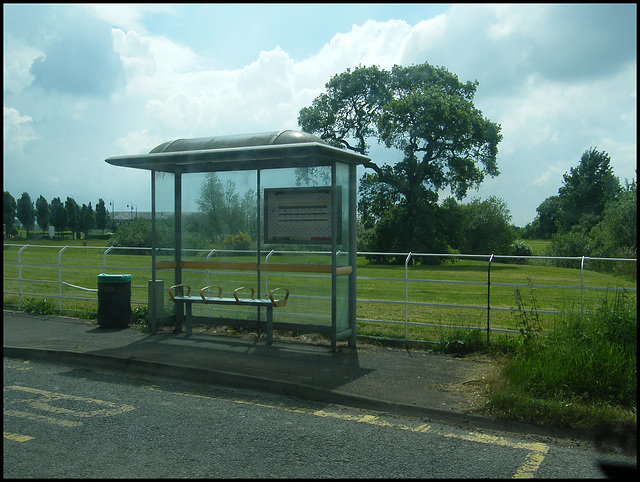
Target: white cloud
[(18, 130), (138, 142), (17, 60), (427, 35), (379, 43), (555, 91), (550, 176), (127, 16), (187, 95)]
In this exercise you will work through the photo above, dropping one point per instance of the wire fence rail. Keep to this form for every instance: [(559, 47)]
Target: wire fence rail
[(401, 297)]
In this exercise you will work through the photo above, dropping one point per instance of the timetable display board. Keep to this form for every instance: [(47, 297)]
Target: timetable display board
[(298, 215)]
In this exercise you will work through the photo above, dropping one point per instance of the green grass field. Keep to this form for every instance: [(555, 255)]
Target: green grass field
[(538, 245), (543, 379), (381, 288)]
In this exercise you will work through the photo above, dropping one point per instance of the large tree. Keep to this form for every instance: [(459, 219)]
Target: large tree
[(486, 227), (101, 215), (73, 212), (222, 211), (586, 191), (42, 213), (25, 212), (58, 215), (427, 114), (616, 235), (8, 211), (346, 115), (548, 215), (87, 219)]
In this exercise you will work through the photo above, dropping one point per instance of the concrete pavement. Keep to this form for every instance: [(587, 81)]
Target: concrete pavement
[(405, 382)]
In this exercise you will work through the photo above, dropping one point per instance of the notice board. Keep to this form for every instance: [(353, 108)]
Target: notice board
[(298, 215)]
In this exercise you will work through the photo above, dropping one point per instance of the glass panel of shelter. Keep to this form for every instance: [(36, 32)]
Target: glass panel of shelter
[(217, 207)]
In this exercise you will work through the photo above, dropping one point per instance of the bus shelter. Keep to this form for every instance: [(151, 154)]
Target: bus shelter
[(266, 210)]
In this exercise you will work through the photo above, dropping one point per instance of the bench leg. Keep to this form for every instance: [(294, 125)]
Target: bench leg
[(188, 318), (259, 312), (179, 315), (269, 324)]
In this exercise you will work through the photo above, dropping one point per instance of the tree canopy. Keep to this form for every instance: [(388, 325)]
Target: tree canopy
[(101, 215), (586, 190), (8, 211), (58, 215), (222, 211), (73, 213), (592, 215), (25, 211), (42, 212), (425, 112)]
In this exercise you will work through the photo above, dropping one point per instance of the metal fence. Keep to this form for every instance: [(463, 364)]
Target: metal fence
[(407, 281)]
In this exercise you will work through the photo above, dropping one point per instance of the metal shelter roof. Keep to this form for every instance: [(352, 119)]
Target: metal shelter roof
[(267, 150)]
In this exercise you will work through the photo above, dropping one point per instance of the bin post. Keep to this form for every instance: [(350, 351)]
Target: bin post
[(156, 302), (114, 300)]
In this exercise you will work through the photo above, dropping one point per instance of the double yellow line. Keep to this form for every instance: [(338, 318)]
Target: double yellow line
[(536, 452)]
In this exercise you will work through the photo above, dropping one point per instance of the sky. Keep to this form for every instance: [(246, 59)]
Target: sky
[(86, 82)]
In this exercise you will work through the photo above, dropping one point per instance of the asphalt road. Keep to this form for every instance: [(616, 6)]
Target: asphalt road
[(70, 422)]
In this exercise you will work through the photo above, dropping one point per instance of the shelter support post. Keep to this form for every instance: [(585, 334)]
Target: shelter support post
[(178, 245), (353, 259)]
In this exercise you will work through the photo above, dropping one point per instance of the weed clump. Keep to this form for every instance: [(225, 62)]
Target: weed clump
[(588, 362), (38, 307)]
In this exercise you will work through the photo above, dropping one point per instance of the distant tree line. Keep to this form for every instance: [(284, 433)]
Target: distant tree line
[(67, 216), (224, 219), (592, 214)]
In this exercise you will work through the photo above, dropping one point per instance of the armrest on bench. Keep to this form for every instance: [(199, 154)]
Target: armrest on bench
[(206, 288), (282, 302), (179, 286), (235, 293)]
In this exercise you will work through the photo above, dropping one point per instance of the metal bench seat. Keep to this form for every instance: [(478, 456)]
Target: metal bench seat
[(269, 303)]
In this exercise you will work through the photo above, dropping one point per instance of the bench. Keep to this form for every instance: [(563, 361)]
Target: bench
[(242, 266), (188, 300)]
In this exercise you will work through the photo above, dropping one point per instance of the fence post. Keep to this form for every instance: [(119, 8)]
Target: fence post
[(406, 298), (582, 286), (207, 259), (104, 259), (20, 274), (489, 297), (60, 278), (266, 274)]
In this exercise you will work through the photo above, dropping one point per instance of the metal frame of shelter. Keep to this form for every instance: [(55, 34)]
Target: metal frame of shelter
[(260, 152)]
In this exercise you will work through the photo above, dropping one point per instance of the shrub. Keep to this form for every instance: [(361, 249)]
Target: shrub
[(587, 358), (237, 241), (571, 244), (140, 316), (520, 248), (528, 322), (463, 342), (135, 234), (39, 307)]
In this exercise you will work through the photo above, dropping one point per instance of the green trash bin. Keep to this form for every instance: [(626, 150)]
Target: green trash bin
[(114, 300)]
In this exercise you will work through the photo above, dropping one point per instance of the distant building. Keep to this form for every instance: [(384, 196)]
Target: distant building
[(126, 216)]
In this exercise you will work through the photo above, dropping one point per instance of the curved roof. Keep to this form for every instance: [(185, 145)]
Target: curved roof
[(267, 150), (238, 140)]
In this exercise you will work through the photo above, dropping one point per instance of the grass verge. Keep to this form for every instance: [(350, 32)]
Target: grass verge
[(583, 374)]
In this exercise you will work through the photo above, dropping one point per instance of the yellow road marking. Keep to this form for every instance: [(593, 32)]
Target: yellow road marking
[(41, 418), (16, 437), (44, 403), (531, 465), (533, 460)]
